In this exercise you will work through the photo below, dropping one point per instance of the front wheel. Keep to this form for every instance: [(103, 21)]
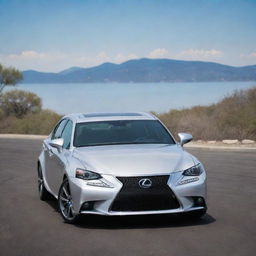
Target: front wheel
[(65, 204)]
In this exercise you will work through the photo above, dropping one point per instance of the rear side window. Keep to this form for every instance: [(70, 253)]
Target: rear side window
[(58, 129)]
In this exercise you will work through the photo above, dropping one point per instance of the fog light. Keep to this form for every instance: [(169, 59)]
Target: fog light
[(86, 206), (199, 201)]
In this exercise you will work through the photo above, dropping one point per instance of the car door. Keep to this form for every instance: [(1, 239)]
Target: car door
[(51, 155), (62, 158)]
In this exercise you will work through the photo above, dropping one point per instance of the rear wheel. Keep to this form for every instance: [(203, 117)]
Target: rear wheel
[(43, 193), (66, 204)]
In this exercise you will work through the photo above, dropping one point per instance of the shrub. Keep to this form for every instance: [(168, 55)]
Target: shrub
[(39, 123), (33, 123), (20, 112), (234, 117), (20, 103)]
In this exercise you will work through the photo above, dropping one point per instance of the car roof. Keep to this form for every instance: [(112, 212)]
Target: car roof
[(105, 116)]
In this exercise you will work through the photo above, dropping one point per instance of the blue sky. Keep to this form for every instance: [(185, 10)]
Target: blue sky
[(51, 35)]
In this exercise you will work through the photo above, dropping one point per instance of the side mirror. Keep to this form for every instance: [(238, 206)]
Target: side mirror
[(57, 143), (185, 138)]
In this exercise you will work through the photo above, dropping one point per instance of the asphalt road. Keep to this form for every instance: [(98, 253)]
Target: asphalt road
[(29, 226)]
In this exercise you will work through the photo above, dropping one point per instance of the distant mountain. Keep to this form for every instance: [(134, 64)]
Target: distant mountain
[(145, 71), (70, 70)]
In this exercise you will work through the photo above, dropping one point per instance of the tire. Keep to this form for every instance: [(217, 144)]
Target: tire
[(65, 204), (44, 195)]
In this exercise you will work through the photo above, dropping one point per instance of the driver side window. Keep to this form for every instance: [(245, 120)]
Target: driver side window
[(58, 130), (66, 134)]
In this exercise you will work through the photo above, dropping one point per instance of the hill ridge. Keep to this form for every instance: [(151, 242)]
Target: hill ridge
[(146, 70)]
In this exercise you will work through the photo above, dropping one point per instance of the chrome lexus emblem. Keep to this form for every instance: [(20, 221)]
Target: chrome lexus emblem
[(145, 183)]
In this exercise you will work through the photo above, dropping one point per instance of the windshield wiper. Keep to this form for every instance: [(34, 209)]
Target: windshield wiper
[(120, 143)]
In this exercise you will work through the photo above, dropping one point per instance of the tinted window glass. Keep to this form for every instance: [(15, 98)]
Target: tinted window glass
[(66, 134), (58, 129), (121, 132)]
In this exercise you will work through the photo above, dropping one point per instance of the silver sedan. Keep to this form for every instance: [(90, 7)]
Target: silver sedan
[(119, 164)]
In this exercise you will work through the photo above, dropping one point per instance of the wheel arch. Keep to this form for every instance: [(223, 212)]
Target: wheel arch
[(38, 164)]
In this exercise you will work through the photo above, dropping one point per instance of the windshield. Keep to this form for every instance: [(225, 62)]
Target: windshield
[(121, 132)]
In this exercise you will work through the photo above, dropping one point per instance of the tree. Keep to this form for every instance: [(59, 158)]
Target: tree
[(9, 76), (20, 103)]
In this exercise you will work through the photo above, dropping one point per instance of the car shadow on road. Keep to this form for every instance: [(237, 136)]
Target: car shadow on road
[(137, 222), (141, 221)]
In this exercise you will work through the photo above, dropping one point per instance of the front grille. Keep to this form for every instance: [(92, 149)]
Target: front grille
[(134, 198)]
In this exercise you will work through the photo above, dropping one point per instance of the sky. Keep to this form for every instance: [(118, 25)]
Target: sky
[(52, 35)]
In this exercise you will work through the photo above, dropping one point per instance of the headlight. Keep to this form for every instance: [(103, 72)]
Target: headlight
[(87, 175), (93, 178), (193, 171)]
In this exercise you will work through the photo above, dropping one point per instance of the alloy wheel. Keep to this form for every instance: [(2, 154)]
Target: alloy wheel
[(40, 181), (65, 202)]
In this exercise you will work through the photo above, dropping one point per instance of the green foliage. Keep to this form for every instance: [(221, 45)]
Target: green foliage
[(21, 112), (20, 103), (9, 76), (232, 118)]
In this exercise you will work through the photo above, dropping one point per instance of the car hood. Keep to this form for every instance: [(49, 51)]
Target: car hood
[(134, 160)]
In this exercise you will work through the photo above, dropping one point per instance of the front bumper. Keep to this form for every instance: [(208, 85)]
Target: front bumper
[(102, 198)]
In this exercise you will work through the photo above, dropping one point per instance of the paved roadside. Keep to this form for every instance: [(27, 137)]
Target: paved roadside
[(220, 146), (22, 136), (30, 227)]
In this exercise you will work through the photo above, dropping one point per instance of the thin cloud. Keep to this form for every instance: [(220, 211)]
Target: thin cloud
[(189, 54), (250, 55), (54, 62), (26, 54), (119, 58), (30, 59), (201, 53), (159, 53)]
